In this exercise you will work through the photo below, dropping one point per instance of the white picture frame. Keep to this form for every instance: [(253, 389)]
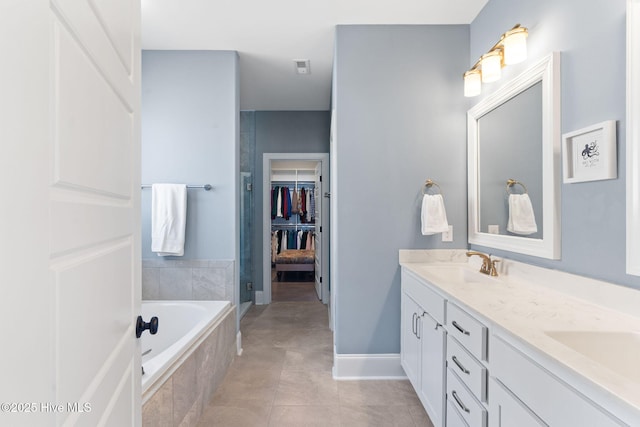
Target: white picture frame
[(590, 154)]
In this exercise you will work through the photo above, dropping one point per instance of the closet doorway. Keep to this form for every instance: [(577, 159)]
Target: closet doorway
[(303, 230)]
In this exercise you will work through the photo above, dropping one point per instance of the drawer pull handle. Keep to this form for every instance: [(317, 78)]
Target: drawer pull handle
[(413, 324), (462, 368), (460, 328), (459, 402)]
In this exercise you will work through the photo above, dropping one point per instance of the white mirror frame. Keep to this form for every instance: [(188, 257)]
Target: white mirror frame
[(633, 137), (547, 71)]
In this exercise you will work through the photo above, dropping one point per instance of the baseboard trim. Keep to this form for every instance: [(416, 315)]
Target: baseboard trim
[(367, 367), (239, 343), (259, 295)]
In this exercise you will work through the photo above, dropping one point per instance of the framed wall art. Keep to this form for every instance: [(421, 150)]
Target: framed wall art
[(590, 154)]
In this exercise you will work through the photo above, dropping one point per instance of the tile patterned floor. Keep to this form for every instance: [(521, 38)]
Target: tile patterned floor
[(283, 378), (293, 286)]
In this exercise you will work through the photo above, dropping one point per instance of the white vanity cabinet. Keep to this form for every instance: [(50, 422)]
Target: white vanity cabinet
[(519, 349), (523, 390), (423, 340)]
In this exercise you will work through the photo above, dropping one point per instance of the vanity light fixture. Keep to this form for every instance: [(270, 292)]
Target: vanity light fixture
[(510, 49)]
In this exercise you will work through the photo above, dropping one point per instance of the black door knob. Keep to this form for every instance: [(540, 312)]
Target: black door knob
[(141, 326)]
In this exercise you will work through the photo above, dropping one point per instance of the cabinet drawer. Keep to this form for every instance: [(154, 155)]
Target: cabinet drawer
[(556, 403), (429, 300), (471, 410), (468, 331), (468, 369), (454, 419), (507, 410)]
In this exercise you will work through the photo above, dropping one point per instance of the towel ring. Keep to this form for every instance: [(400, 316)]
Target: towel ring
[(512, 182), (428, 184)]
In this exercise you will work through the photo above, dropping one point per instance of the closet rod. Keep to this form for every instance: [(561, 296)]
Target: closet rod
[(206, 187)]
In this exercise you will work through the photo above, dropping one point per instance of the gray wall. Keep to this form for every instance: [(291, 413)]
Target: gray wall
[(190, 122), (400, 119), (279, 132), (591, 39)]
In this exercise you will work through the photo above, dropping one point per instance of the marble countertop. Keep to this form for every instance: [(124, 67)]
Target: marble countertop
[(528, 302)]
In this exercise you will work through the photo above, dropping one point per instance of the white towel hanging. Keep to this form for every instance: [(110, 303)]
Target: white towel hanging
[(521, 217), (434, 215), (168, 219)]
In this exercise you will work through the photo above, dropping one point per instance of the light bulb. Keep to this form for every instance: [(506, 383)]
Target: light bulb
[(472, 83), (515, 45), (491, 66)]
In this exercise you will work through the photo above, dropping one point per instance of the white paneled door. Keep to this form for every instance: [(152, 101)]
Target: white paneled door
[(74, 190), (321, 233), (317, 196)]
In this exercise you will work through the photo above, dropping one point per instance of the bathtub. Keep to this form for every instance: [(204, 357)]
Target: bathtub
[(192, 350)]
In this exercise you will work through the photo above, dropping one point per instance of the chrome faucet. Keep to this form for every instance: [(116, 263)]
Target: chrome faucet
[(488, 265)]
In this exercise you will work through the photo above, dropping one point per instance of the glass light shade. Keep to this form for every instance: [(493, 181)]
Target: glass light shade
[(491, 65), (472, 83), (515, 45)]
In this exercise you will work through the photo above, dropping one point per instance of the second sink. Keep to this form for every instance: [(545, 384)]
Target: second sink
[(617, 351)]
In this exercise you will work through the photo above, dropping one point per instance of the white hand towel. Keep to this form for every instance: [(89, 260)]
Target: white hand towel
[(434, 216), (168, 219), (521, 217)]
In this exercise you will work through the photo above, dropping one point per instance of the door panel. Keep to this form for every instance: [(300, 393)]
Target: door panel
[(91, 122), (101, 281), (410, 343), (94, 204), (94, 29), (94, 219), (116, 16), (318, 234)]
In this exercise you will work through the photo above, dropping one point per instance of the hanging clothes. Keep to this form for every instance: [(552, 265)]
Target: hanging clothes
[(279, 203), (274, 246), (292, 240), (274, 202), (294, 202), (283, 241), (288, 197), (312, 205), (309, 212), (303, 205)]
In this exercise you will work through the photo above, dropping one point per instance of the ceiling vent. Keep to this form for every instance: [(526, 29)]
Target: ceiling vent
[(302, 66)]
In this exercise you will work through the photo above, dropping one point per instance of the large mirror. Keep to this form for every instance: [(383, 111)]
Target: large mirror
[(514, 164), (633, 137)]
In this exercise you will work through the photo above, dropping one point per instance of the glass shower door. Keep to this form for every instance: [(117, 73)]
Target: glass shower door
[(246, 233)]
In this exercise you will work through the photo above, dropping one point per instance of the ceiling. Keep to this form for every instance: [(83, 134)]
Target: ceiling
[(269, 35)]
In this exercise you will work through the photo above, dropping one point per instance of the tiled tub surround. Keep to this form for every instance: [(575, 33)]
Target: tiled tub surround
[(197, 280), (525, 301), (179, 400)]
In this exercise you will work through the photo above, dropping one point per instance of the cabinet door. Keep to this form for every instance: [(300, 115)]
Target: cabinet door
[(410, 343), (433, 338), (506, 410)]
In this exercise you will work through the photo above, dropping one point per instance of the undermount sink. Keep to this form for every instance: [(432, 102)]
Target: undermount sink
[(617, 351), (457, 274)]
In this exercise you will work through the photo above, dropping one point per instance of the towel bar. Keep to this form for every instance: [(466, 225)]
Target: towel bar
[(511, 182), (206, 187), (430, 183)]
